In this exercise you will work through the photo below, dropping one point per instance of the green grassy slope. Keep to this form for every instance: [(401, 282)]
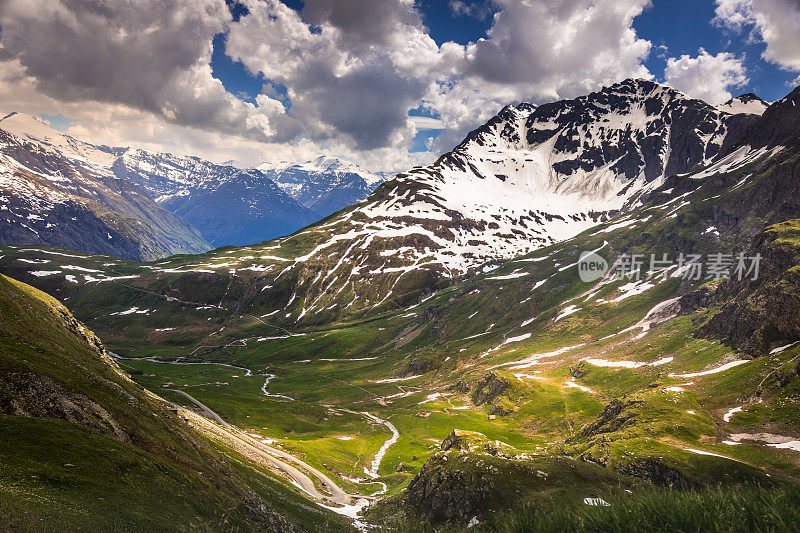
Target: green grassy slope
[(85, 448)]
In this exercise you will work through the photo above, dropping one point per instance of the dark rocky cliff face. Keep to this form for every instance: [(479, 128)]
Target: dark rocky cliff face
[(675, 134), (779, 125), (756, 316)]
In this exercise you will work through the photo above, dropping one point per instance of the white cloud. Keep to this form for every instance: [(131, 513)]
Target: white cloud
[(344, 81), (137, 72), (706, 76), (427, 123), (560, 46), (775, 22), (149, 55), (122, 125)]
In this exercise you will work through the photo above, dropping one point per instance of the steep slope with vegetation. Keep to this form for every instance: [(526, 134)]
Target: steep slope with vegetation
[(85, 448), (614, 374)]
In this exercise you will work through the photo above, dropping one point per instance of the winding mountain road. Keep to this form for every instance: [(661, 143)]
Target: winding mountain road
[(215, 427), (263, 453), (206, 411)]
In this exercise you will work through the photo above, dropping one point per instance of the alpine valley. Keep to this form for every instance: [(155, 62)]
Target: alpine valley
[(426, 357)]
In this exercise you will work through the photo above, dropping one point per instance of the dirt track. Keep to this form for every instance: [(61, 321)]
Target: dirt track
[(266, 455)]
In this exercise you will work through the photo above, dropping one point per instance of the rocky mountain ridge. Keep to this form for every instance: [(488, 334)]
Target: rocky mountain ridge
[(529, 177), (474, 207)]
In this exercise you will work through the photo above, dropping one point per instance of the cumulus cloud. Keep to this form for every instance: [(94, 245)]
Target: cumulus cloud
[(347, 79), (352, 68), (123, 125), (540, 51), (106, 50), (346, 83), (151, 55), (576, 43), (707, 77), (775, 22)]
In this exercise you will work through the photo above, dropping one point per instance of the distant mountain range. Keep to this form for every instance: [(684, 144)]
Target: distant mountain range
[(229, 206), (58, 190), (500, 193), (324, 185), (530, 177)]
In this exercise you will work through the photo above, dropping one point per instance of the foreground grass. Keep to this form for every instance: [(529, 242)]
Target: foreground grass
[(743, 508)]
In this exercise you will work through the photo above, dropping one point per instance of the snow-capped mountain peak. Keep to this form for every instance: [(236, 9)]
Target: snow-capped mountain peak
[(325, 184), (27, 126), (747, 103), (227, 204), (329, 162), (532, 176), (31, 129), (323, 164), (57, 190)]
